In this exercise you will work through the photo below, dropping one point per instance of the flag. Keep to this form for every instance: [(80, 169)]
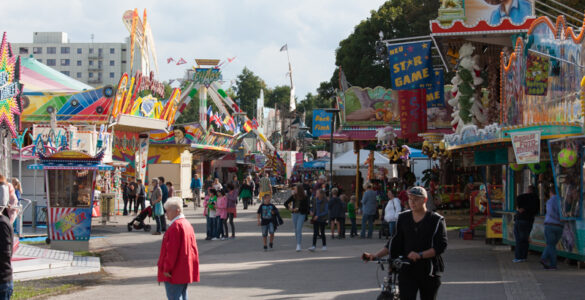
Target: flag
[(236, 107), (231, 59), (284, 48), (254, 123), (248, 126), (181, 62), (410, 65), (226, 119), (217, 119), (169, 60), (232, 124), (209, 112)]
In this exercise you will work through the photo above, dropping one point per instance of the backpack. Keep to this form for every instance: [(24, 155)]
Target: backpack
[(4, 194)]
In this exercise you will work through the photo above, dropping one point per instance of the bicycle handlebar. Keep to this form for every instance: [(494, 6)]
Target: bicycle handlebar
[(395, 264)]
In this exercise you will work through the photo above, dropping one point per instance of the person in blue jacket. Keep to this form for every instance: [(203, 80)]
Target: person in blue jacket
[(196, 190), (319, 216)]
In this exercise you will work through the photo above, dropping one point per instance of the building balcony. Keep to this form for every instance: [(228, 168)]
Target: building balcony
[(94, 80), (94, 68), (95, 56)]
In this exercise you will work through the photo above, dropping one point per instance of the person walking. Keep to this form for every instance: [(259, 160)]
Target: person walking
[(178, 263), (232, 201), (156, 200), (344, 199), (170, 188), (351, 215), (165, 195), (6, 247), (140, 196), (125, 191), (246, 192), (217, 185), (265, 186), (553, 231), (319, 214), (391, 212), (207, 218), (221, 210), (369, 207), (265, 213), (132, 192), (336, 212), (299, 209), (196, 190), (527, 206), (421, 237)]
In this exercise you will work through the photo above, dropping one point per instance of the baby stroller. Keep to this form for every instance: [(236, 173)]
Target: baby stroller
[(138, 222)]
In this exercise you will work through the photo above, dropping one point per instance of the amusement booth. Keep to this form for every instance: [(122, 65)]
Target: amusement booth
[(70, 178)]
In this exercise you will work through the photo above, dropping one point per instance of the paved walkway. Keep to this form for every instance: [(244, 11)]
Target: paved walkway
[(240, 269)]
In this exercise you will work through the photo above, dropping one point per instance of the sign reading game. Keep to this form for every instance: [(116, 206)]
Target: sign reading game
[(410, 65)]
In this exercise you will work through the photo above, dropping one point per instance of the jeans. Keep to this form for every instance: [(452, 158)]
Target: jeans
[(370, 220), (298, 220), (353, 227), (6, 289), (266, 229), (158, 223), (552, 235), (139, 202), (319, 228), (131, 200), (209, 227), (247, 201), (392, 227), (214, 227), (231, 219), (224, 232), (196, 197), (176, 291), (522, 230), (410, 284)]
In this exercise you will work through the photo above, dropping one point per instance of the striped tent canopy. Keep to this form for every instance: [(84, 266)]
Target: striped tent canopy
[(39, 78)]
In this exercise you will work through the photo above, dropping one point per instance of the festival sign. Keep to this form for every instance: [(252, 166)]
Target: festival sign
[(526, 146), (537, 72), (10, 89), (206, 76), (68, 223), (367, 106), (321, 122), (436, 89), (410, 65), (413, 113)]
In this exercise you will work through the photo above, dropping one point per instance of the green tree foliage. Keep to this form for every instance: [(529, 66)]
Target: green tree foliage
[(552, 10), (247, 90), (280, 95), (311, 102)]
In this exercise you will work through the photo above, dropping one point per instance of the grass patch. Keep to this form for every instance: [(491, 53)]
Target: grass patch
[(284, 213), (85, 253), (34, 243), (26, 291)]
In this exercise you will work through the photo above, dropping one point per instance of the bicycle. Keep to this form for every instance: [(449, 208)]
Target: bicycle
[(389, 287)]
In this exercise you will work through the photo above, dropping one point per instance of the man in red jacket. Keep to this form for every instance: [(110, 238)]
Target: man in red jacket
[(178, 264)]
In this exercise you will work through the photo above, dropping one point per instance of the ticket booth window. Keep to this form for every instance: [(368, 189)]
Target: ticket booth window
[(70, 188)]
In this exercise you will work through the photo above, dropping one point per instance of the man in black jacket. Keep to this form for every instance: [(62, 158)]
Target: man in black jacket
[(421, 236), (527, 206), (6, 286)]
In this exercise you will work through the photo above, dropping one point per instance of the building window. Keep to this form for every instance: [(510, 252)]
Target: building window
[(78, 74), (123, 61), (51, 50), (91, 62), (90, 75), (40, 60), (65, 50), (79, 63), (123, 49), (65, 72), (112, 50), (51, 62), (65, 62), (112, 75), (37, 50), (79, 51), (22, 50), (100, 51), (90, 50), (112, 63)]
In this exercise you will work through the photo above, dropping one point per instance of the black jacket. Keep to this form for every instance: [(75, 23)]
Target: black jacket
[(5, 249), (303, 205), (430, 232)]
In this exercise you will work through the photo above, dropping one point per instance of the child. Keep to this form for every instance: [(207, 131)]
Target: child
[(222, 215), (205, 201), (351, 215), (211, 213), (265, 213)]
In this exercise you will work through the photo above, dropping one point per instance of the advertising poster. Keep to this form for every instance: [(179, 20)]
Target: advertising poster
[(495, 11), (321, 122), (69, 223), (410, 65), (526, 147), (413, 113), (537, 74), (367, 106), (185, 134)]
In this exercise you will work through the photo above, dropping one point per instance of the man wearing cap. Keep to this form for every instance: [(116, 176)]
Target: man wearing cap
[(421, 236)]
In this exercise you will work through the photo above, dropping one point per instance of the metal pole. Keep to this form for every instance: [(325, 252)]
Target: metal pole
[(331, 155)]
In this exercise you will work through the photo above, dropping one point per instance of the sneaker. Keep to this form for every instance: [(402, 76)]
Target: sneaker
[(518, 260), (544, 264), (223, 238), (324, 248), (215, 239), (312, 249), (265, 248), (271, 246), (208, 239)]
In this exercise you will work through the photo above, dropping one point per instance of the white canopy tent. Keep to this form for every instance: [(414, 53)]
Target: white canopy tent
[(345, 164)]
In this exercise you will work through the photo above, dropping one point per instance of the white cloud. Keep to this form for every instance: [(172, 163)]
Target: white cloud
[(252, 30)]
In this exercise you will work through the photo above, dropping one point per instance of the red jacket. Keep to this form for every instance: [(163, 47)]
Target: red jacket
[(178, 254)]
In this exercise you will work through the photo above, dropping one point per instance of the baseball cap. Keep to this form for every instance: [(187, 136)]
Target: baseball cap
[(418, 191)]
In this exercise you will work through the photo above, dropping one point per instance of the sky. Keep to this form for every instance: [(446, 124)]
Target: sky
[(251, 30)]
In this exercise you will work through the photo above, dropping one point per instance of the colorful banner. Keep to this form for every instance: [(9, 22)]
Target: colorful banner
[(185, 134), (492, 11), (537, 68), (526, 146), (413, 113), (68, 223), (436, 89), (142, 159), (367, 106), (10, 102), (410, 65), (299, 158), (321, 122)]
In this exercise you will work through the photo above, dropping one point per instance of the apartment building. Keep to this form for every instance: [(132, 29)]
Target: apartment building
[(97, 64)]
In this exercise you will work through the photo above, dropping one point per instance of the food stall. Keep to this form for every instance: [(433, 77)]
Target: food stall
[(70, 178)]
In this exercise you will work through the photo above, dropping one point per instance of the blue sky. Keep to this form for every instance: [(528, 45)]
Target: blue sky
[(252, 30)]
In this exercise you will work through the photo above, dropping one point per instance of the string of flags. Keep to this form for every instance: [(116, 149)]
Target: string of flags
[(182, 61), (227, 122)]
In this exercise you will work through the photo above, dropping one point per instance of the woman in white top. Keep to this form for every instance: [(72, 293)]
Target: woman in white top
[(217, 185), (391, 212)]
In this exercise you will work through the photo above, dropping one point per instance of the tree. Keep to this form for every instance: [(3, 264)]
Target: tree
[(312, 102), (280, 95), (247, 89)]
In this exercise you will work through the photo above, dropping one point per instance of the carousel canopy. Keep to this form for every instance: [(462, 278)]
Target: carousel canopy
[(37, 77)]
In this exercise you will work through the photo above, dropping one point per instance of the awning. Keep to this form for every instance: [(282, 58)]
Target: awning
[(99, 167)]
